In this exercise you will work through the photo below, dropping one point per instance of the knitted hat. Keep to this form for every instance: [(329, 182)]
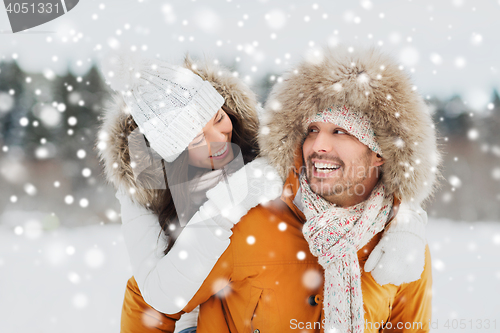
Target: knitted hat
[(354, 122), (170, 104)]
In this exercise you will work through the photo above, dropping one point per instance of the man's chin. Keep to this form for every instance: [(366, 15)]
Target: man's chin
[(323, 187)]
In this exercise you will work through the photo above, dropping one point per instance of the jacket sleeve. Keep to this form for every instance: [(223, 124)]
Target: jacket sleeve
[(139, 317), (168, 282)]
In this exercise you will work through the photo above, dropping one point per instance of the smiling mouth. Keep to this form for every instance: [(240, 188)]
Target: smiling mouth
[(221, 151), (322, 169)]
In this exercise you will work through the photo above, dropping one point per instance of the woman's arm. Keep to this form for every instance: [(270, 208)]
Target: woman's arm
[(168, 282), (399, 257)]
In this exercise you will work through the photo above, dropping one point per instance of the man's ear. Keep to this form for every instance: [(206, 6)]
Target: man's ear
[(379, 160)]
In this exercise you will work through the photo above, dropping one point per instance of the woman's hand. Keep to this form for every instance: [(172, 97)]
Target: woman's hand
[(399, 257)]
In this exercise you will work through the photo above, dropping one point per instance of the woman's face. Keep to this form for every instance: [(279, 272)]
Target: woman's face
[(211, 148)]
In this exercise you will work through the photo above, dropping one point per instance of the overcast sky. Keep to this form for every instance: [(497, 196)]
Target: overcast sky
[(449, 46)]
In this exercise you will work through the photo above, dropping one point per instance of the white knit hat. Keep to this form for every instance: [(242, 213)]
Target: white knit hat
[(170, 104)]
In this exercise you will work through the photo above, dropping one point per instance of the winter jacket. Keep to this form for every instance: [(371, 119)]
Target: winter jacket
[(267, 281)]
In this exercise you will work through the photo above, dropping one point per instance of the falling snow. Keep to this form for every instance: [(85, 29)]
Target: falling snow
[(455, 181), (51, 179), (50, 116), (6, 102)]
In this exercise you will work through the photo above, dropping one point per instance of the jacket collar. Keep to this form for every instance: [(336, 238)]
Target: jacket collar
[(292, 185)]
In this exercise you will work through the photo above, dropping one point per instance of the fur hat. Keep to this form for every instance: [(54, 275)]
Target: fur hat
[(113, 140), (367, 81), (170, 104)]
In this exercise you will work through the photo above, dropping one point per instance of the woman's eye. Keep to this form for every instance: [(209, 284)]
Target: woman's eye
[(339, 132), (220, 119), (199, 142), (313, 130)]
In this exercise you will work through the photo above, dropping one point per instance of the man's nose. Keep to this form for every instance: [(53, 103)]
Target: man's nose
[(323, 143)]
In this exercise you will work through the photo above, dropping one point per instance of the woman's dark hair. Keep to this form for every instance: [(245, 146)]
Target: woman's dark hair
[(181, 171)]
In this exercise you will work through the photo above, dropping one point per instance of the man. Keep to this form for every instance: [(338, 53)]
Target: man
[(351, 139)]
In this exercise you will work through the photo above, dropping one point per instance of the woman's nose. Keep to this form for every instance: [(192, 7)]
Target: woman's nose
[(215, 135)]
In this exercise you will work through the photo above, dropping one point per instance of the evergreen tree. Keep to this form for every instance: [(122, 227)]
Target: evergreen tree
[(493, 120), (457, 120), (11, 79)]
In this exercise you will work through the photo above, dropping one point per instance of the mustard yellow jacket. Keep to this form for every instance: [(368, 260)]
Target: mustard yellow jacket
[(274, 284)]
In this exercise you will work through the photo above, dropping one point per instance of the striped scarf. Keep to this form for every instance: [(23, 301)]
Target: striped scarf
[(335, 235)]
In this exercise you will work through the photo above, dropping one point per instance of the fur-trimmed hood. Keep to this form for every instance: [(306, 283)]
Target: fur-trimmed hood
[(367, 81), (113, 142)]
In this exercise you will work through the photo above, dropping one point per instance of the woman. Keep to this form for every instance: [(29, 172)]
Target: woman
[(174, 190), (168, 281)]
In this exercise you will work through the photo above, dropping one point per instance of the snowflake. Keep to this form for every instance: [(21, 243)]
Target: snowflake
[(94, 258)]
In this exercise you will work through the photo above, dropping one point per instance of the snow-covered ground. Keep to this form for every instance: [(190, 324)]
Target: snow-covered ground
[(73, 280), (466, 275), (69, 280)]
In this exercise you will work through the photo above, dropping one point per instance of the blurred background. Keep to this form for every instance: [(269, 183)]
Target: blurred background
[(60, 218)]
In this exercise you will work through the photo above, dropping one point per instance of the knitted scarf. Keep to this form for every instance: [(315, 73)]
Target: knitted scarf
[(335, 235)]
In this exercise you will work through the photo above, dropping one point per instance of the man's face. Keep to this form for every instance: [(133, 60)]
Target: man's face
[(339, 167)]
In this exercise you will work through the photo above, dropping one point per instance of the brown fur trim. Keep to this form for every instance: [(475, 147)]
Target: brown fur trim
[(367, 81)]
